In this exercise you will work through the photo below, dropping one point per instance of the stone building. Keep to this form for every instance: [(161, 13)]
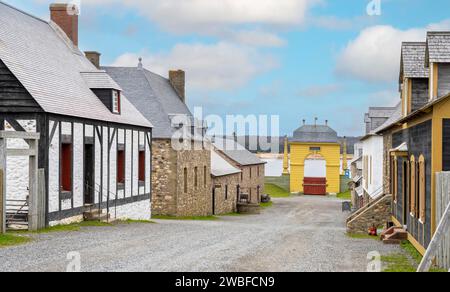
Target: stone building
[(252, 176), (225, 185), (85, 122), (181, 176)]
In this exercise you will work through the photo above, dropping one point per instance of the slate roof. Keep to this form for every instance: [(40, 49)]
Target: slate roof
[(438, 47), (49, 66), (315, 134), (220, 167), (236, 152), (395, 117), (153, 95), (380, 112), (413, 61), (99, 80)]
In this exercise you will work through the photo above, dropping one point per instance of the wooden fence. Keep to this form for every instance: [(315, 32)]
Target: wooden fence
[(442, 201)]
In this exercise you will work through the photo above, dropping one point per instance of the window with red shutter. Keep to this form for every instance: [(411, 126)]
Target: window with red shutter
[(142, 166), (66, 167), (121, 166)]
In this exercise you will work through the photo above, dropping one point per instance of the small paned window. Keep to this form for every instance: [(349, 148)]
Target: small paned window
[(116, 102), (66, 167)]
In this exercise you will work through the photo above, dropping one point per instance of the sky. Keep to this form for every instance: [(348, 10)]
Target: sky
[(296, 59)]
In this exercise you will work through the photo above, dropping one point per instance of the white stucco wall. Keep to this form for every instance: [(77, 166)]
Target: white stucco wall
[(373, 149), (128, 152), (315, 168), (78, 169), (53, 171), (17, 178)]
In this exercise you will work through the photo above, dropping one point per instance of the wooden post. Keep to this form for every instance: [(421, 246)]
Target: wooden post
[(33, 189), (41, 199), (2, 186)]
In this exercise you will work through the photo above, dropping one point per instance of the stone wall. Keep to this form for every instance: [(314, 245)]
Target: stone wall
[(169, 195), (197, 201), (225, 203), (387, 146), (164, 178), (376, 214)]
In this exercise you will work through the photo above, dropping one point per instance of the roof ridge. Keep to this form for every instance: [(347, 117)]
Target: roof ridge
[(23, 12), (446, 32), (414, 43)]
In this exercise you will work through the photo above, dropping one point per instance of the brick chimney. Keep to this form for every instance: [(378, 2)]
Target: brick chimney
[(94, 57), (178, 80), (66, 17)]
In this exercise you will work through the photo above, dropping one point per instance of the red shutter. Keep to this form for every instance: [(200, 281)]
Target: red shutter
[(66, 167), (142, 165), (120, 166)]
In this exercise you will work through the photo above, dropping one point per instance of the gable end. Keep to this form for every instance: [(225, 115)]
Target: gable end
[(14, 98)]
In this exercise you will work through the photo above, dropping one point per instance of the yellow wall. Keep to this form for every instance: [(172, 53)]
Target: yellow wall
[(331, 153)]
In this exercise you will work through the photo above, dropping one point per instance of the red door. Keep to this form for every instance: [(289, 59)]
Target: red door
[(315, 186)]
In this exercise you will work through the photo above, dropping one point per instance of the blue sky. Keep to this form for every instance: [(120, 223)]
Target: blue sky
[(298, 59)]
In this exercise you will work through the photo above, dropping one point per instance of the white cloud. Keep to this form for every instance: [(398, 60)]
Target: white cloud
[(319, 90), (374, 55), (221, 66)]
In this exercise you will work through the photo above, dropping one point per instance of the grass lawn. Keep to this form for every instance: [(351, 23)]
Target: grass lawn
[(12, 239), (363, 236), (345, 196), (266, 205), (130, 221), (408, 262), (73, 227), (276, 192), (186, 218)]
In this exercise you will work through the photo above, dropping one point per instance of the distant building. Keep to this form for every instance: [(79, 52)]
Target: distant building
[(315, 160)]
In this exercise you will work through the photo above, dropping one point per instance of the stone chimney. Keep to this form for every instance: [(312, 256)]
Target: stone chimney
[(66, 17), (178, 80), (94, 57)]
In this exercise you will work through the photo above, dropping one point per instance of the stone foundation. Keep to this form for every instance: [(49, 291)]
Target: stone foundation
[(375, 214)]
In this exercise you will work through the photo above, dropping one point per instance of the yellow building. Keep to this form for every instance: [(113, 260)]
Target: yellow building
[(315, 160)]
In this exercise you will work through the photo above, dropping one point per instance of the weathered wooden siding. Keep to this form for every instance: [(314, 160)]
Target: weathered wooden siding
[(14, 98), (443, 79), (419, 94), (442, 201), (419, 143)]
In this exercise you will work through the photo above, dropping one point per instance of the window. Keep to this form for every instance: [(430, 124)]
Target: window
[(413, 192), (314, 149), (116, 102), (422, 189), (242, 175), (205, 177), (66, 167), (226, 192), (196, 177), (185, 181), (141, 166), (250, 171), (121, 166), (258, 171)]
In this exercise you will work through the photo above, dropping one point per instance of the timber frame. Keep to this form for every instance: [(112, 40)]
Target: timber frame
[(35, 196), (47, 132)]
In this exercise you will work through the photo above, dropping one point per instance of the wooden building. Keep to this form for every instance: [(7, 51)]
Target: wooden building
[(419, 143), (315, 160), (94, 146)]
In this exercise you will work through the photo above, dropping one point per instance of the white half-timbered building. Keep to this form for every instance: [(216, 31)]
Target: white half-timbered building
[(94, 147)]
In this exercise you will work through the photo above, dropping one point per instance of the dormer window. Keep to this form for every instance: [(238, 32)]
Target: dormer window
[(116, 102)]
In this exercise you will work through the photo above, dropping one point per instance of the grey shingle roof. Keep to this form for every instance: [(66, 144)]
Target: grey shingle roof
[(49, 66), (438, 47), (99, 80), (236, 152), (153, 95), (380, 112), (220, 167), (395, 117), (413, 61), (315, 134)]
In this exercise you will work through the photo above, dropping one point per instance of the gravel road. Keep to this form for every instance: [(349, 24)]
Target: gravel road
[(296, 234)]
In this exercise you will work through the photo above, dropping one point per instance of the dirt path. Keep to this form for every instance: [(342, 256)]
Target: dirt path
[(296, 234)]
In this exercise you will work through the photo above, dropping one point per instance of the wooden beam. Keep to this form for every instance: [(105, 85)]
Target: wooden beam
[(19, 135), (22, 152), (33, 189), (2, 186)]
